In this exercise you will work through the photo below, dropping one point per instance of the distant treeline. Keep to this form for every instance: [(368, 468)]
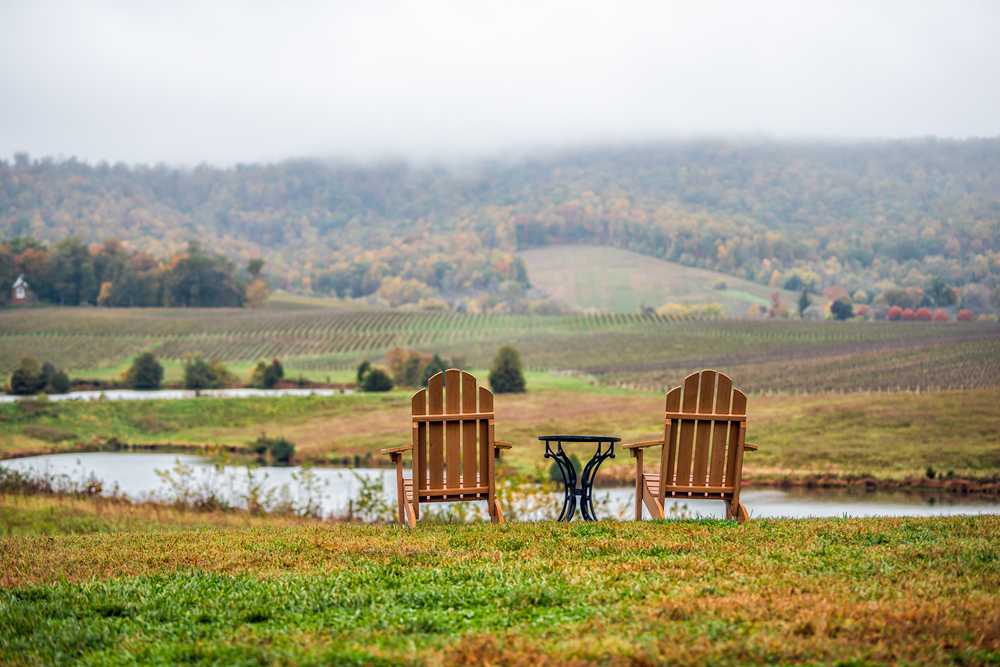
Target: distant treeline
[(71, 273), (870, 216)]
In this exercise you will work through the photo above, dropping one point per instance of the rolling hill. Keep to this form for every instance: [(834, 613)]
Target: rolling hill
[(620, 281)]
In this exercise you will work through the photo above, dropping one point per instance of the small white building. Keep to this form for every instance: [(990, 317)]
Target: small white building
[(22, 294)]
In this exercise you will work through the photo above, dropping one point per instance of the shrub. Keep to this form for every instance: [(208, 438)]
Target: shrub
[(895, 313), (863, 311), (940, 315), (842, 308), (28, 378), (506, 376), (200, 374), (282, 451), (363, 368), (924, 315), (988, 317), (964, 315), (908, 315), (145, 372), (59, 382), (266, 376), (376, 380)]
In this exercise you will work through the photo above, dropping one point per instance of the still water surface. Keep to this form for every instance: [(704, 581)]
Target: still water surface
[(135, 475)]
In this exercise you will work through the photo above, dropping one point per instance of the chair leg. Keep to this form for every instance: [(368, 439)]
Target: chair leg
[(497, 514), (637, 453), (397, 458), (739, 513), (411, 518), (652, 502)]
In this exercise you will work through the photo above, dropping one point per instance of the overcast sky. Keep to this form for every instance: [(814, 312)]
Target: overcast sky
[(241, 81)]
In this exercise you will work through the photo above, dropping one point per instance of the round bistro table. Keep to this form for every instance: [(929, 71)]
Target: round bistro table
[(586, 490)]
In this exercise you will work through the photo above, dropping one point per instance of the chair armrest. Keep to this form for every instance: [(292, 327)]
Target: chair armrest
[(500, 444), (640, 445), (750, 448), (393, 450)]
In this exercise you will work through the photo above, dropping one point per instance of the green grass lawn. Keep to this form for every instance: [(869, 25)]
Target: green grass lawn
[(818, 591)]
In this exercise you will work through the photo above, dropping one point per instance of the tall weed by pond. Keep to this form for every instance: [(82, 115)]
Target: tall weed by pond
[(227, 490)]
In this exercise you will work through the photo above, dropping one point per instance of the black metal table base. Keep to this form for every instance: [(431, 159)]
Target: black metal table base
[(586, 490)]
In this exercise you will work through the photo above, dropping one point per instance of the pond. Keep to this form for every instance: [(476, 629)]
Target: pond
[(174, 394), (135, 474)]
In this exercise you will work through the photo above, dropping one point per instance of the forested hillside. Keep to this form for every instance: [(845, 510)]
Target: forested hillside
[(875, 217)]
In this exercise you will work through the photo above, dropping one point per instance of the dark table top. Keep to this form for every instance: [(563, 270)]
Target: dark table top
[(579, 438)]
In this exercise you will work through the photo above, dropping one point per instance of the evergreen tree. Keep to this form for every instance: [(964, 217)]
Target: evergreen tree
[(506, 376), (363, 368), (842, 308), (28, 378), (376, 380), (145, 373), (433, 367), (803, 301), (59, 382)]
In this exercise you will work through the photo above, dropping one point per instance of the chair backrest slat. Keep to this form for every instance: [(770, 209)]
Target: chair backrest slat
[(469, 430), (668, 459), (686, 443), (485, 433), (739, 408), (717, 467), (452, 454), (701, 454), (453, 429), (703, 434), (435, 432)]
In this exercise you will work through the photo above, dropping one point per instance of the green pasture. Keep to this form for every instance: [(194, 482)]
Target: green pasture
[(818, 591), (620, 281)]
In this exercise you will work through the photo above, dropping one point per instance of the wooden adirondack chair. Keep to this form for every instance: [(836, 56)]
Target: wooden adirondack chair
[(453, 447), (704, 435)]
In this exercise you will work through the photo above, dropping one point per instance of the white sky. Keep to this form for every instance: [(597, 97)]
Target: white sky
[(224, 82)]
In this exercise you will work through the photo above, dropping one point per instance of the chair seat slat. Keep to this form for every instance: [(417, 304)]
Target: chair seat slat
[(452, 418), (703, 417)]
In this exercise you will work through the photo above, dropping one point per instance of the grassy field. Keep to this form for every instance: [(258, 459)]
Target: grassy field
[(886, 435), (831, 591), (620, 281)]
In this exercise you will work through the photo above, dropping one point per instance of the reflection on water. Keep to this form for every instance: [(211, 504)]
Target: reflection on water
[(802, 502), (135, 475)]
